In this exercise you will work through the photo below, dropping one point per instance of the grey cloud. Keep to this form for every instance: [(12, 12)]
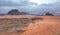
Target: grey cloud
[(25, 6), (10, 3)]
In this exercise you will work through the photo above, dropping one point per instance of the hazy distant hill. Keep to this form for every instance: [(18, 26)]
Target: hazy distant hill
[(2, 14), (16, 12)]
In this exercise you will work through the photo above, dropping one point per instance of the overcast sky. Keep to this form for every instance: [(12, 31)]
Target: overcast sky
[(30, 6)]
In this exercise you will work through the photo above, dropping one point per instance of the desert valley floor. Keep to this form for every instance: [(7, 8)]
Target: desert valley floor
[(29, 25)]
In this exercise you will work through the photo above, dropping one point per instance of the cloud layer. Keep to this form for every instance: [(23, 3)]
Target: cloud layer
[(26, 6)]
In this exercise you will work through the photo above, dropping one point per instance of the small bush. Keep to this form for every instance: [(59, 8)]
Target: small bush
[(20, 31), (37, 18)]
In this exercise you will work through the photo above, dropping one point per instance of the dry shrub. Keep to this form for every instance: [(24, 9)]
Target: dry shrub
[(37, 18), (15, 23)]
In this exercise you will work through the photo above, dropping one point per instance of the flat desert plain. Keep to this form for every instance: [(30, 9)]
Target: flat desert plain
[(29, 25)]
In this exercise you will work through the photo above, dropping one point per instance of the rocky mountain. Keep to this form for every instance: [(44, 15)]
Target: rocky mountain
[(16, 12)]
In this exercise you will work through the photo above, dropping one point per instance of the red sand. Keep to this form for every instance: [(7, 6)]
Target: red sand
[(48, 26)]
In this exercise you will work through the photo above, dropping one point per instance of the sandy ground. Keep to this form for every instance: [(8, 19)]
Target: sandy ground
[(50, 25), (16, 16)]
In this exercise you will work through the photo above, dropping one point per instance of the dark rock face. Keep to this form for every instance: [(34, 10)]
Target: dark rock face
[(48, 14), (16, 12), (13, 12)]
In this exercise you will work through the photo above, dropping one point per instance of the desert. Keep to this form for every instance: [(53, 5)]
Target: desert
[(29, 25)]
